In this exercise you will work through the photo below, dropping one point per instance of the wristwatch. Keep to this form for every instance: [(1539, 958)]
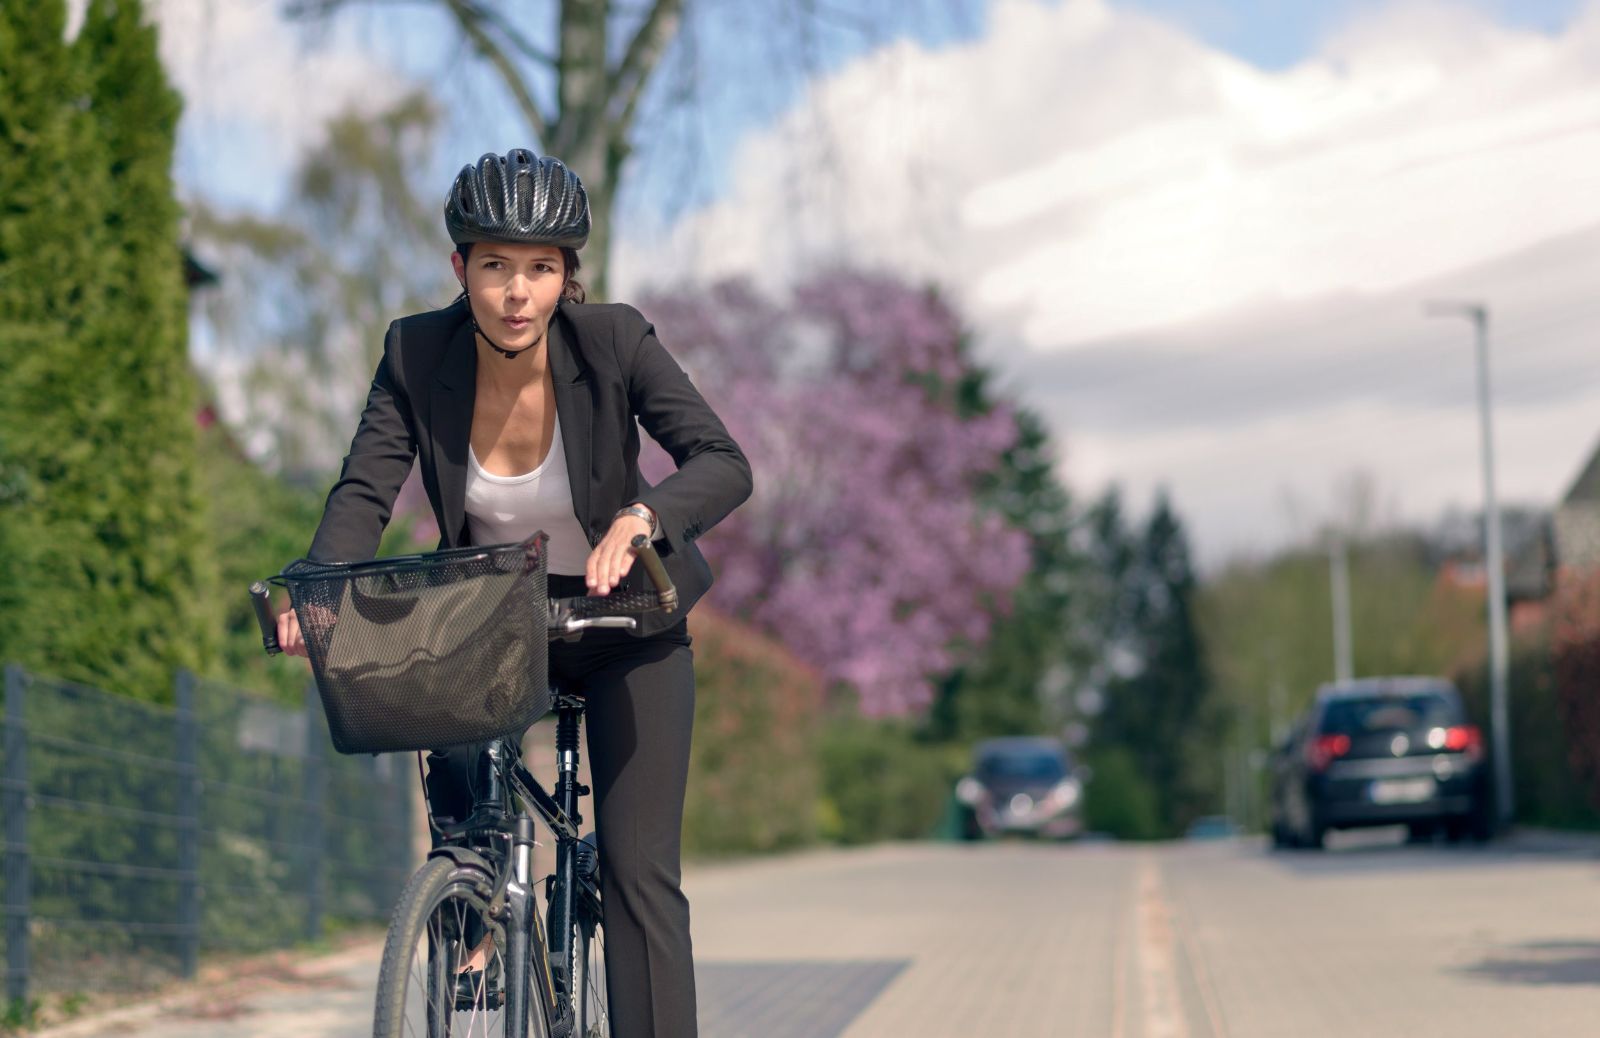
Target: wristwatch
[(644, 512)]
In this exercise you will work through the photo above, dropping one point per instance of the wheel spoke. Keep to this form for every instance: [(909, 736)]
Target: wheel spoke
[(434, 997)]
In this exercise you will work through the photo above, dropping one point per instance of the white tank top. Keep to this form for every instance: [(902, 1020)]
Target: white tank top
[(505, 509)]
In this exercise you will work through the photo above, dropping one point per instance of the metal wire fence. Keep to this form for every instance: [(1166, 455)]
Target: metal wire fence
[(138, 837)]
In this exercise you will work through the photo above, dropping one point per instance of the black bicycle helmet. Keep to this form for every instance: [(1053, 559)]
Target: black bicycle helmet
[(518, 197)]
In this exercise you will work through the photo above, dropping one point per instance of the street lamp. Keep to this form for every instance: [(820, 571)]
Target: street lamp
[(1499, 652)]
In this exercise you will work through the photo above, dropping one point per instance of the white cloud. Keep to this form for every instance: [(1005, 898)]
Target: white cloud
[(258, 91), (1087, 181)]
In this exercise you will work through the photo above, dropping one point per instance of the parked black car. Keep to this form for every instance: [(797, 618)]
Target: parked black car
[(1381, 751), (1020, 784)]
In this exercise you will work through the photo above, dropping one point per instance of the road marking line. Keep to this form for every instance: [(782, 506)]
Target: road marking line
[(1158, 958), (1119, 979), (1197, 967)]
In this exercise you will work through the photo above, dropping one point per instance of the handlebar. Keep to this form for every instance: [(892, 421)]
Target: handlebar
[(568, 616), (646, 553), (261, 599)]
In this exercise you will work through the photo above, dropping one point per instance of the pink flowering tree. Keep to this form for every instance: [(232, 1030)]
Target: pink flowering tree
[(865, 548)]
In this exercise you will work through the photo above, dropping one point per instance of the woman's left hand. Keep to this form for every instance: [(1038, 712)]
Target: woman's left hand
[(613, 556)]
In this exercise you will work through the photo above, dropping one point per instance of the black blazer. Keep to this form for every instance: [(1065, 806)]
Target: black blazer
[(609, 368)]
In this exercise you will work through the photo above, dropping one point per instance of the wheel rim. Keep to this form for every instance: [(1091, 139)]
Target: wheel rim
[(437, 1005)]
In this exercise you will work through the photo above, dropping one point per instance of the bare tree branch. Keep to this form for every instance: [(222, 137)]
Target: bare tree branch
[(311, 10), (640, 58), (470, 17), (480, 24), (516, 39)]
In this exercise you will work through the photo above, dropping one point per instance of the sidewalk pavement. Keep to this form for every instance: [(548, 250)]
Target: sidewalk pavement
[(1017, 940)]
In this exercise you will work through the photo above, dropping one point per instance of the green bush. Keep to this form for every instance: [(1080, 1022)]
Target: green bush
[(880, 782), (753, 775), (1118, 799)]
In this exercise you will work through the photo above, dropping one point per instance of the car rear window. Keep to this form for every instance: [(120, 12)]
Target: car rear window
[(1355, 716), (1043, 767)]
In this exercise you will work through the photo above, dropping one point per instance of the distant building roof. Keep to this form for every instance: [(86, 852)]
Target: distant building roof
[(1528, 538), (1577, 524), (1587, 486)]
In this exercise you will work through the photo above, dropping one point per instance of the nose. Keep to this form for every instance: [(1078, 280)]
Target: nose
[(518, 288)]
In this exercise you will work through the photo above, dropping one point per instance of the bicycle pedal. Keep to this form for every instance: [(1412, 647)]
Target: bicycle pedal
[(473, 991)]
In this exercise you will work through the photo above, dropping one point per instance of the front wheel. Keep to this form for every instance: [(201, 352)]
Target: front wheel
[(425, 986), (593, 1019), (591, 1010)]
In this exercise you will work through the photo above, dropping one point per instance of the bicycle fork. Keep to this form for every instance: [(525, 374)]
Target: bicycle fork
[(521, 921)]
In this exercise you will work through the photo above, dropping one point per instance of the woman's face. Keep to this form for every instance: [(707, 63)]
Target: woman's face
[(513, 288)]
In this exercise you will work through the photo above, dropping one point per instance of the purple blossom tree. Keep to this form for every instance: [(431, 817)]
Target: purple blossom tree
[(864, 549)]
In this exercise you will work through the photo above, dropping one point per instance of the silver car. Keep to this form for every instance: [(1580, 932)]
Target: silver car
[(1021, 784)]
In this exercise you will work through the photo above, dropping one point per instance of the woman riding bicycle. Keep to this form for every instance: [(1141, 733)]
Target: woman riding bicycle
[(522, 405)]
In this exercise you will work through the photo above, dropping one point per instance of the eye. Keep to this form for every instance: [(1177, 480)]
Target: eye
[(545, 268), (493, 264)]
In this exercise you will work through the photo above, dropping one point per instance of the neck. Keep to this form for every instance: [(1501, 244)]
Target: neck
[(511, 374)]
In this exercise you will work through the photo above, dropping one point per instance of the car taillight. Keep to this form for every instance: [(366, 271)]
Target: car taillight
[(1322, 750), (1464, 738)]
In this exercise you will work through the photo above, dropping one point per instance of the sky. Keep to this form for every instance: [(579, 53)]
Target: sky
[(1195, 235)]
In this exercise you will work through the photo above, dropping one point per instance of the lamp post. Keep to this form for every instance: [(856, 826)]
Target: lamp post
[(1339, 581), (1499, 651)]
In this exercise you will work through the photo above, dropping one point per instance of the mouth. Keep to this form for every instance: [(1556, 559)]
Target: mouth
[(517, 324)]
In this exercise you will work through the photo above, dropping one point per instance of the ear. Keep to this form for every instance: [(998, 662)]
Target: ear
[(460, 267)]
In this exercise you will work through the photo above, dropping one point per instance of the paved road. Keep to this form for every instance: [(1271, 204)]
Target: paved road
[(1162, 941)]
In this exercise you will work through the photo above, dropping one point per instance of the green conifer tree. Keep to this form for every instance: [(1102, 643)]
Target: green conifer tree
[(111, 581), (46, 269), (153, 528), (1161, 712)]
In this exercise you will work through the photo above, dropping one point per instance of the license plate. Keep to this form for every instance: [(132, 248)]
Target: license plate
[(1402, 791)]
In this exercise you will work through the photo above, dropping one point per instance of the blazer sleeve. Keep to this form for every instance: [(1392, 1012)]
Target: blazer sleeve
[(380, 458), (713, 476)]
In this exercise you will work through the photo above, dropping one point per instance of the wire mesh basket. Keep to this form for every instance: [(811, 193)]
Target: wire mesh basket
[(418, 652)]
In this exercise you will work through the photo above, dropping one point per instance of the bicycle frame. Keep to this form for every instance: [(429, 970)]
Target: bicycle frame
[(492, 819)]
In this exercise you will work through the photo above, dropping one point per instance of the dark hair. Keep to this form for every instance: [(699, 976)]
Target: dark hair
[(571, 290)]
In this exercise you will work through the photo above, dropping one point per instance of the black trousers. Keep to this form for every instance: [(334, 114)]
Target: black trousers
[(639, 713)]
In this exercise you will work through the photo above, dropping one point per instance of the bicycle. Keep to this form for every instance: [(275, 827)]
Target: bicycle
[(540, 978)]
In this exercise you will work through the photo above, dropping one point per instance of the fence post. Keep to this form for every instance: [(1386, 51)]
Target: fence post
[(188, 759), (316, 809), (17, 866)]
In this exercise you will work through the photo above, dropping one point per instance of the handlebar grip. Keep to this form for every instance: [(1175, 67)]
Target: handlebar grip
[(646, 553), (261, 598)]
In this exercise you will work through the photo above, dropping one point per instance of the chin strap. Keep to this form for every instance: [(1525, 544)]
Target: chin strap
[(507, 354)]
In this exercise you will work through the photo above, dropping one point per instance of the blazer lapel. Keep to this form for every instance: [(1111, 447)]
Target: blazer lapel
[(575, 410), (455, 390)]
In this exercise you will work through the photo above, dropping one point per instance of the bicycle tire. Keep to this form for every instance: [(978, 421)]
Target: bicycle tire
[(438, 893), (591, 1010)]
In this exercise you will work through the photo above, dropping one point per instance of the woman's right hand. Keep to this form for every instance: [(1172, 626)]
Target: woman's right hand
[(289, 639)]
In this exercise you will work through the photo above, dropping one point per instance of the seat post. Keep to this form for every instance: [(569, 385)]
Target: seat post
[(569, 712)]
